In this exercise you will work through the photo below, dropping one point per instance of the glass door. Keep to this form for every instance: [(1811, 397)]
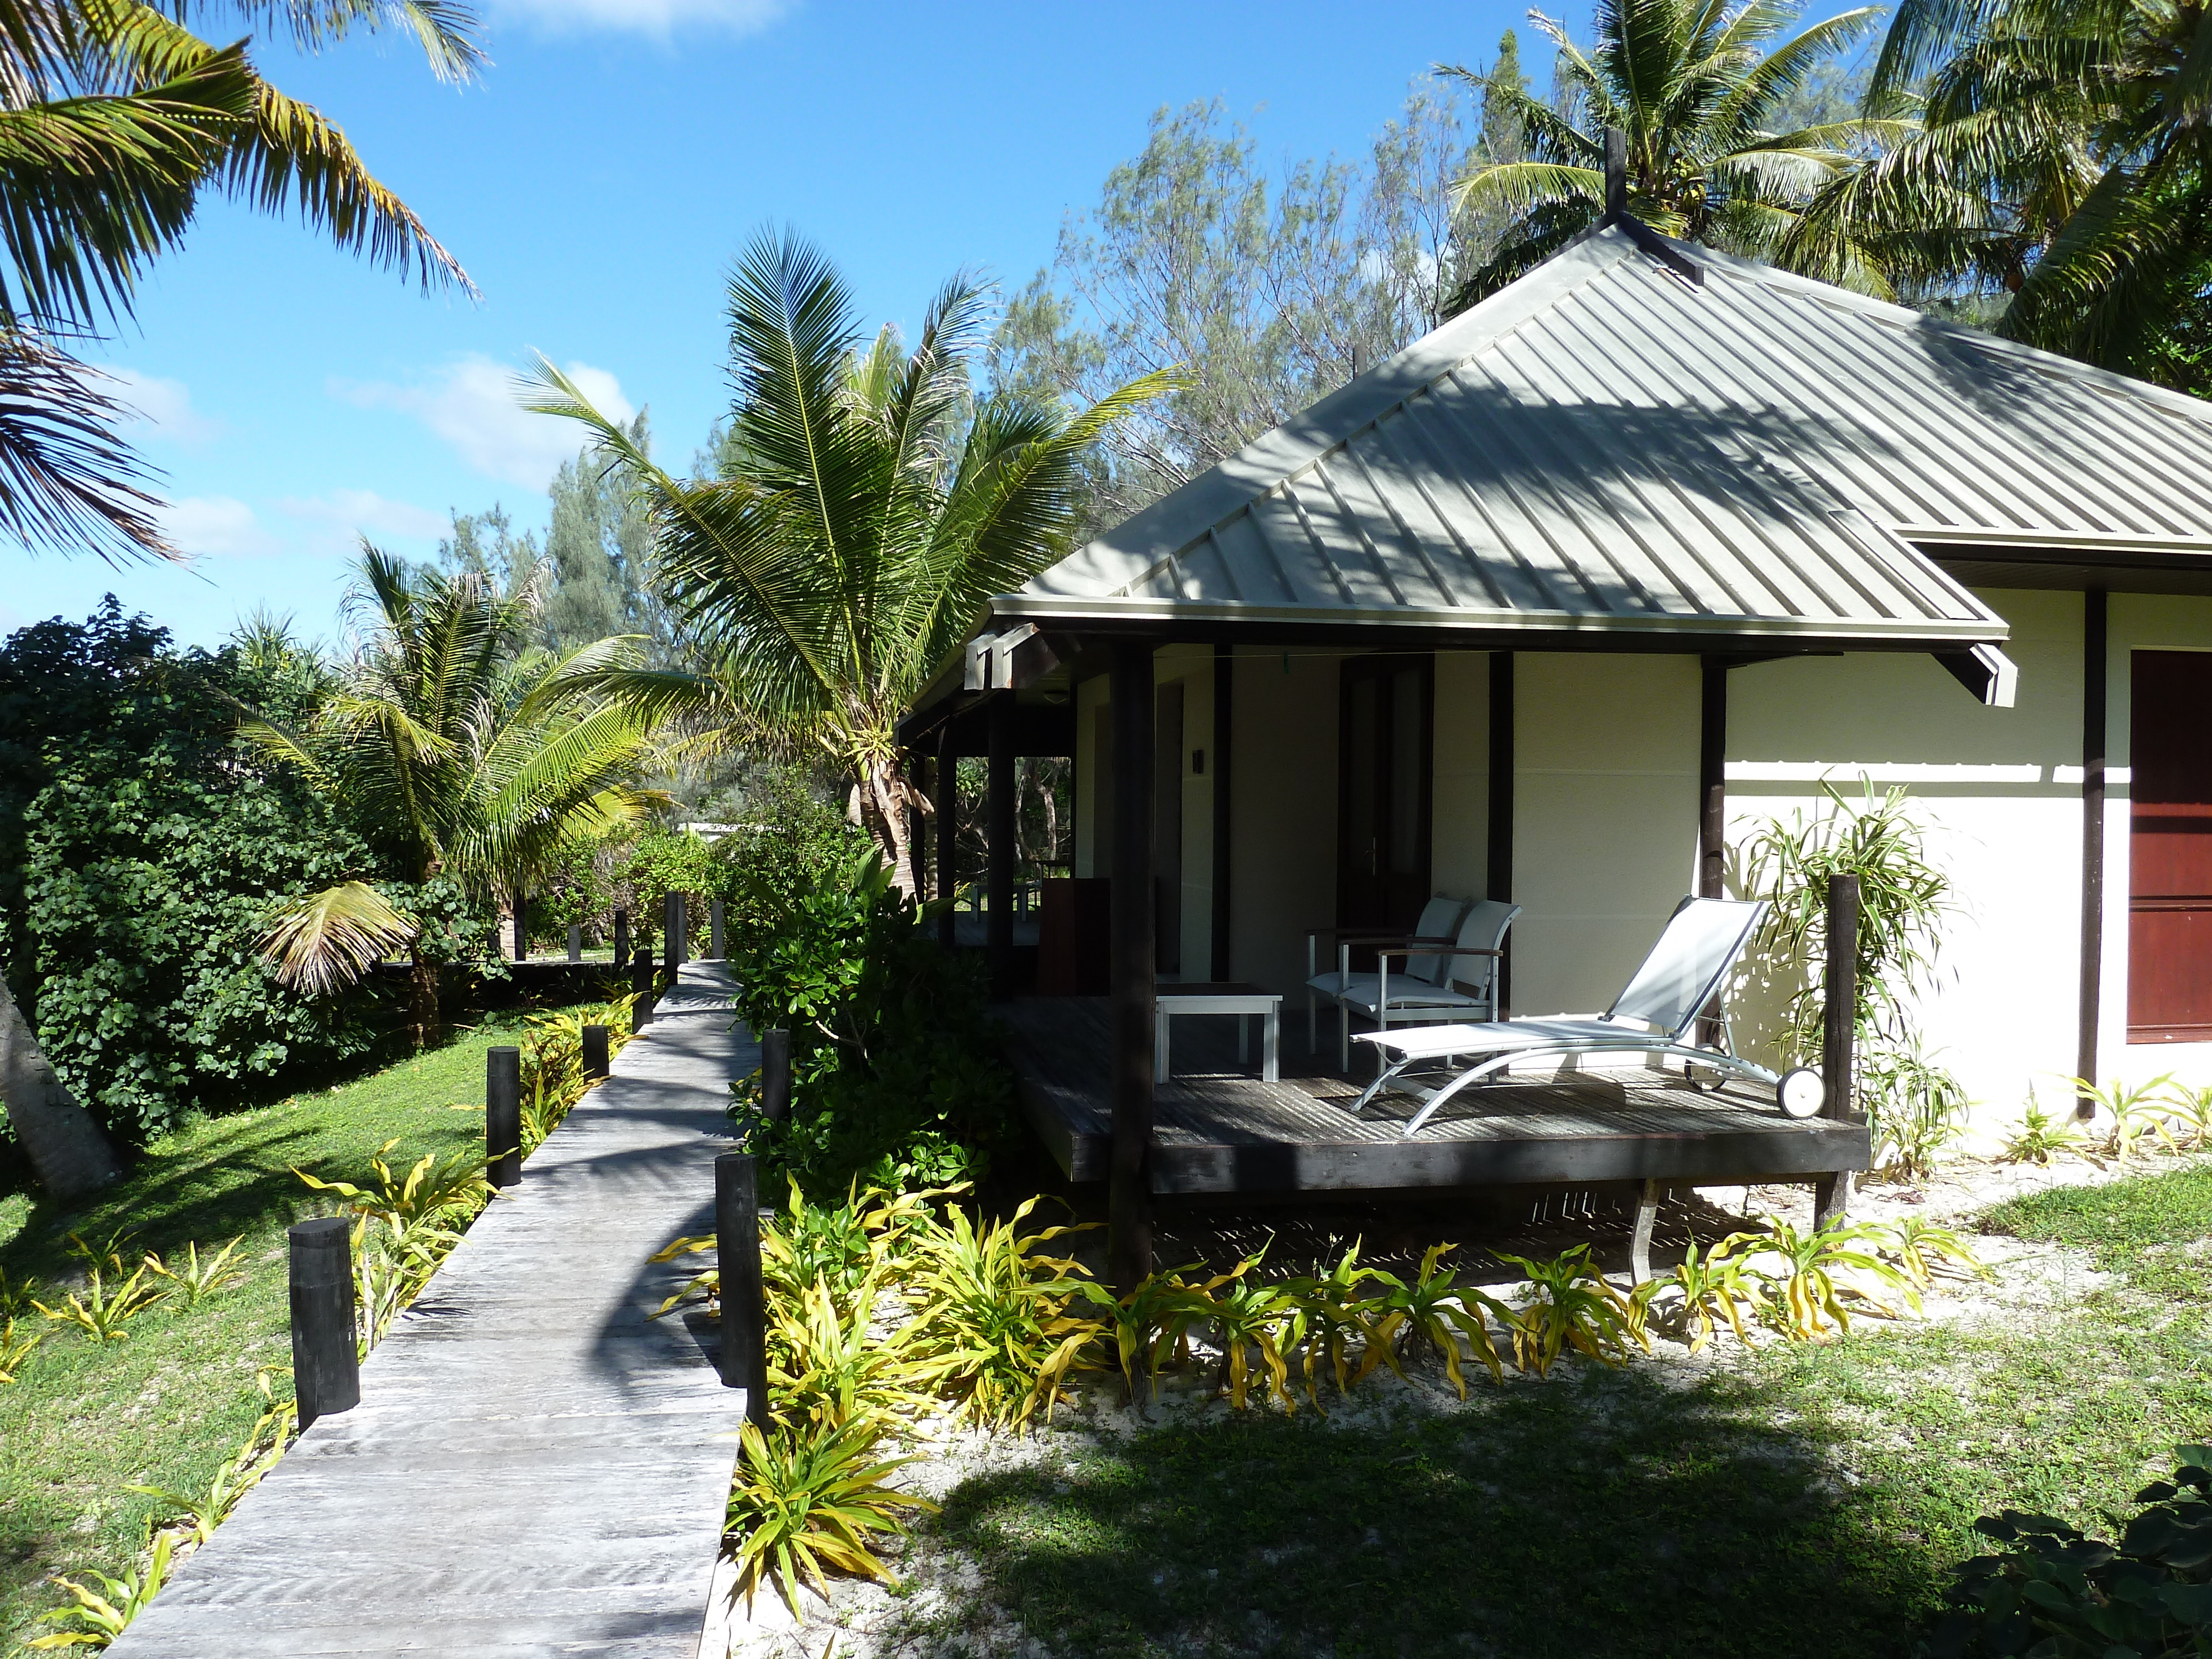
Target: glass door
[(1384, 782)]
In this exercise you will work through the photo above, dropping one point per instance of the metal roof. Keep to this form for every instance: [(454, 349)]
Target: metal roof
[(1604, 445)]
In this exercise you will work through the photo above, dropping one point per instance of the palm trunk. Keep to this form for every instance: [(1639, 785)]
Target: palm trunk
[(422, 998), (884, 793), (67, 1149)]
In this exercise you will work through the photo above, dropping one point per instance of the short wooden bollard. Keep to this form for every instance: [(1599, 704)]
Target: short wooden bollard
[(503, 1116), (575, 944), (595, 1051), (775, 1074), (621, 939), (641, 985), (326, 1366), (737, 1245), (521, 929), (715, 930), (673, 942)]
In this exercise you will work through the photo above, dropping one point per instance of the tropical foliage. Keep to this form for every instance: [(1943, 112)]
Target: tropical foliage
[(867, 506)]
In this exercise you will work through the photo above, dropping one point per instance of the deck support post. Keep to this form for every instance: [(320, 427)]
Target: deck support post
[(2095, 617), (503, 1116), (1224, 690), (737, 1258), (1129, 1225), (1831, 1193), (1832, 1199), (1000, 833), (943, 783), (1639, 1239)]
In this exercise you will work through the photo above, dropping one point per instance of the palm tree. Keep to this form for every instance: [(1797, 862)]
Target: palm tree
[(479, 762), (867, 509), (1694, 85), (2062, 158), (115, 119)]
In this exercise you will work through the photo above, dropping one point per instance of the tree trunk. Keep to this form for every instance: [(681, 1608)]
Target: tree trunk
[(67, 1149), (422, 999), (884, 795)]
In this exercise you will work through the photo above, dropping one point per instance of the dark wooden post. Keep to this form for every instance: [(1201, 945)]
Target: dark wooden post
[(736, 1256), (521, 925), (775, 1074), (1712, 800), (621, 939), (715, 930), (641, 985), (1616, 172), (1499, 883), (1224, 692), (575, 944), (946, 783), (675, 923), (998, 833), (2095, 615), (1831, 1194), (596, 1063), (326, 1363), (503, 1115), (1129, 1204)]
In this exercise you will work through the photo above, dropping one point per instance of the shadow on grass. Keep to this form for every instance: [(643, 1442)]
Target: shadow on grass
[(1595, 1515)]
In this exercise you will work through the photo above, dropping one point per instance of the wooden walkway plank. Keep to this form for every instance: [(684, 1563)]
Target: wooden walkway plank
[(535, 1468)]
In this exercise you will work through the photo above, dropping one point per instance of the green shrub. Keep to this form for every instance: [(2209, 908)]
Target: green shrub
[(896, 1077), (791, 842)]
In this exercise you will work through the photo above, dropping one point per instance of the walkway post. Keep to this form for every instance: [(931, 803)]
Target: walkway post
[(575, 943), (595, 1051), (1133, 970), (1831, 1194), (672, 947), (325, 1365), (715, 930), (503, 1115), (775, 1074), (640, 986), (521, 925), (621, 939), (737, 1255)]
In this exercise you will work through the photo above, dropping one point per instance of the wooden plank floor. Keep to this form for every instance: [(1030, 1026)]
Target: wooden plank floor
[(534, 1469), (1217, 1131)]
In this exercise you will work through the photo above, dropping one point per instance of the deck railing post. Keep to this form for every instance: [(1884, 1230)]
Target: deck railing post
[(641, 986), (596, 1063), (503, 1115), (775, 1074), (325, 1364), (736, 1256)]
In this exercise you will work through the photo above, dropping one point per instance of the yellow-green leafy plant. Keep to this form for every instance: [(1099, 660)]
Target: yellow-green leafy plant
[(2188, 1126), (1574, 1306), (1250, 1318), (829, 1365), (2041, 1137), (100, 1616), (111, 1299), (403, 1226), (195, 1279), (553, 1079), (1706, 1291), (17, 1296), (844, 1245), (1146, 1325), (1804, 1294), (1429, 1309), (195, 1516), (992, 1312), (1922, 1249), (15, 1349), (2138, 1111), (1332, 1314), (810, 1499)]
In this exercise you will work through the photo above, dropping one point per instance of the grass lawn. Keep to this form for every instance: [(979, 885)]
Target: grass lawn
[(1803, 1501), (169, 1404)]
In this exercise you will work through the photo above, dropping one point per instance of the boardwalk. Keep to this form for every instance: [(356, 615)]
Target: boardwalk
[(534, 1469)]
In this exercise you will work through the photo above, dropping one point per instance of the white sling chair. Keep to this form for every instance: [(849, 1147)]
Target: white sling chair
[(1679, 981), (1446, 975)]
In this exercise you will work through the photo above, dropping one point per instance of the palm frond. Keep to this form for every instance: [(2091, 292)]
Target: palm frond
[(328, 940)]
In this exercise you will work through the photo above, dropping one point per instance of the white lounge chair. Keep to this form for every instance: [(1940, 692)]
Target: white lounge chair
[(1679, 981), (1449, 975), (1435, 930)]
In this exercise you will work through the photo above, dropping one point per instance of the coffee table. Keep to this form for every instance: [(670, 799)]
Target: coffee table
[(1226, 997)]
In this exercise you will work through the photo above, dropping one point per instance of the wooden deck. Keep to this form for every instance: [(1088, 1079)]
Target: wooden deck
[(1220, 1131)]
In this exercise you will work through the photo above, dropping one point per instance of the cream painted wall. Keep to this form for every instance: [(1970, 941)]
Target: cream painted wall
[(1283, 813), (1604, 822), (1458, 856), (2000, 789)]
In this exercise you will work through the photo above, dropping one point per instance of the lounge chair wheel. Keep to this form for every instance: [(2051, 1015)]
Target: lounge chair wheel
[(1801, 1093)]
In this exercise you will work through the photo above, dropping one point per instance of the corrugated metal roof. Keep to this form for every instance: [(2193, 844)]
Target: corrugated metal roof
[(1603, 446)]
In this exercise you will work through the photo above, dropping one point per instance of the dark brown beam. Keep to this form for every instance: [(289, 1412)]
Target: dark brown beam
[(1712, 778), (2096, 620), (1498, 883), (1129, 1224), (943, 833), (1225, 688), (998, 835)]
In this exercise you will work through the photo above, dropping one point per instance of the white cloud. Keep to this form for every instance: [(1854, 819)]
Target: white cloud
[(165, 405), (218, 525), (657, 18), (472, 405), (338, 520)]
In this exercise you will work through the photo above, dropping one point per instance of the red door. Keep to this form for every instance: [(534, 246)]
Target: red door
[(2170, 849)]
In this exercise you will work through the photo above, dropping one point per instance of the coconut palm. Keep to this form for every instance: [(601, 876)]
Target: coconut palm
[(115, 120), (478, 762), (2062, 157), (1693, 85), (868, 507)]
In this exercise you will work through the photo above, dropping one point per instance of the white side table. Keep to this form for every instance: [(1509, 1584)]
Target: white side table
[(1227, 997)]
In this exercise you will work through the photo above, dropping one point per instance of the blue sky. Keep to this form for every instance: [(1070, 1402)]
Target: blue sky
[(596, 185)]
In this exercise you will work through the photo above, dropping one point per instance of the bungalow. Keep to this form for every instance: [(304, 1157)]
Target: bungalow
[(1567, 599)]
